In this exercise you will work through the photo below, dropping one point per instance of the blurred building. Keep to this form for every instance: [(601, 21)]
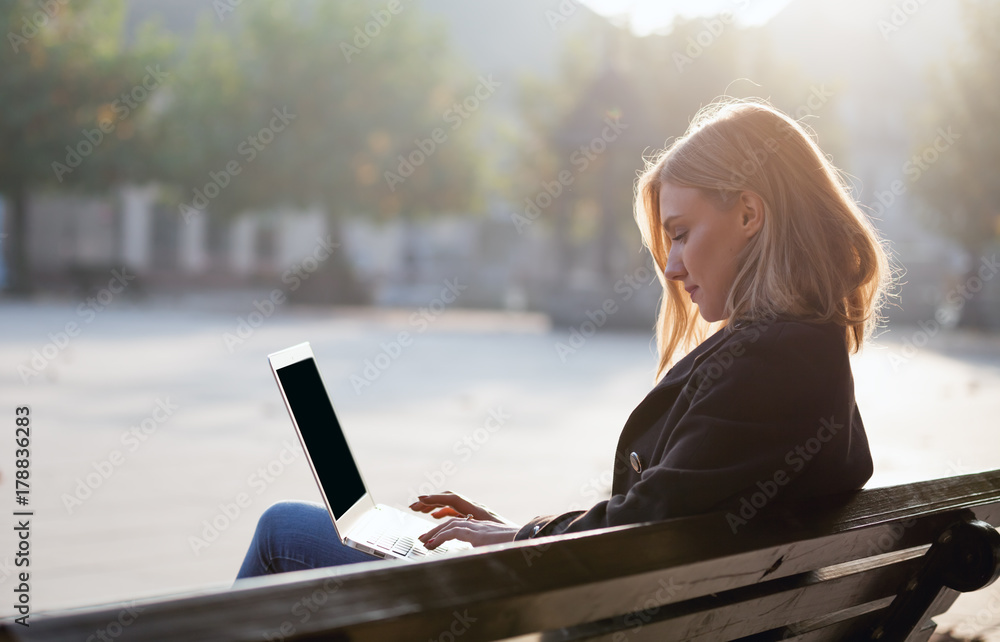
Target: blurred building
[(74, 240)]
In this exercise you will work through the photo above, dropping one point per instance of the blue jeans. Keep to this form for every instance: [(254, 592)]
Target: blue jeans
[(292, 536)]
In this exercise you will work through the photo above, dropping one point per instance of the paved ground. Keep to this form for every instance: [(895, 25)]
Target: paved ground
[(121, 515)]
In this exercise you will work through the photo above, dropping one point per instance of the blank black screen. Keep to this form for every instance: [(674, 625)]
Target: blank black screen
[(322, 435)]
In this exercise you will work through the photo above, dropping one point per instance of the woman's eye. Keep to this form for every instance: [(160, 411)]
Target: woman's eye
[(680, 237)]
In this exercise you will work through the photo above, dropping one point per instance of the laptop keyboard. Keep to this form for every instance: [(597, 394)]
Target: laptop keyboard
[(386, 532), (402, 545)]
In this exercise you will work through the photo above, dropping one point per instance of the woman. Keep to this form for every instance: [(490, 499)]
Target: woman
[(754, 234)]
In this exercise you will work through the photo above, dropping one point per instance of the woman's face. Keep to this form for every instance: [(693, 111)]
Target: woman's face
[(705, 244)]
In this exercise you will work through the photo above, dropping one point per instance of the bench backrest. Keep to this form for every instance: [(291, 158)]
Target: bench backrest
[(880, 560)]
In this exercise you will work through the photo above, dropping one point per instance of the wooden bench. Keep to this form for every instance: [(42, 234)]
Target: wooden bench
[(878, 564)]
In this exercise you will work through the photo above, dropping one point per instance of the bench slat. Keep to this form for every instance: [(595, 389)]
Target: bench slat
[(869, 585), (525, 587)]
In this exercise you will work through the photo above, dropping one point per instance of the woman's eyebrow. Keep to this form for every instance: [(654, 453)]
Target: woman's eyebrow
[(667, 222)]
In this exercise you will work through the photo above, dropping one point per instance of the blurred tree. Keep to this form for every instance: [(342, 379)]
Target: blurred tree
[(702, 59), (544, 104), (345, 106), (958, 172), (654, 84), (73, 102)]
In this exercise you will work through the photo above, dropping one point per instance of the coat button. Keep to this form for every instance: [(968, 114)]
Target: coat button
[(636, 462)]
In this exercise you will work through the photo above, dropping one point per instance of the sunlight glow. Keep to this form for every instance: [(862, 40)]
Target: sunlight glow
[(649, 16)]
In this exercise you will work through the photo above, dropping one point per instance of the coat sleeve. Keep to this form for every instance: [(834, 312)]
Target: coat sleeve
[(744, 432)]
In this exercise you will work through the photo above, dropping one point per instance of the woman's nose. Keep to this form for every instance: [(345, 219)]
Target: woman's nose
[(674, 269)]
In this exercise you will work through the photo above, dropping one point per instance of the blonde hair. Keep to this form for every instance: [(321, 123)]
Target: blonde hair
[(816, 257)]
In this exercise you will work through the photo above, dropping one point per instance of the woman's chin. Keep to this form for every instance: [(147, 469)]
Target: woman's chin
[(710, 316)]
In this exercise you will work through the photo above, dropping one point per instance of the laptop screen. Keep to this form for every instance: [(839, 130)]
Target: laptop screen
[(323, 437)]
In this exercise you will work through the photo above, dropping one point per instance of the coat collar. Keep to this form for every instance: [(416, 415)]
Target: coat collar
[(650, 407), (679, 374), (681, 371)]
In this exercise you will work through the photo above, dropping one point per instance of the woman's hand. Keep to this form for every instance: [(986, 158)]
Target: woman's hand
[(475, 532), (449, 504), (476, 525)]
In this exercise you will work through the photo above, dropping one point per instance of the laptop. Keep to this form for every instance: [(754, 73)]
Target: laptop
[(377, 529)]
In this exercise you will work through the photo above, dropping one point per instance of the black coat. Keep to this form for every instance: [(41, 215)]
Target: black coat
[(752, 417)]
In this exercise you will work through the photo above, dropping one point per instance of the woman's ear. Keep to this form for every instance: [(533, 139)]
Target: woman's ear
[(751, 213)]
